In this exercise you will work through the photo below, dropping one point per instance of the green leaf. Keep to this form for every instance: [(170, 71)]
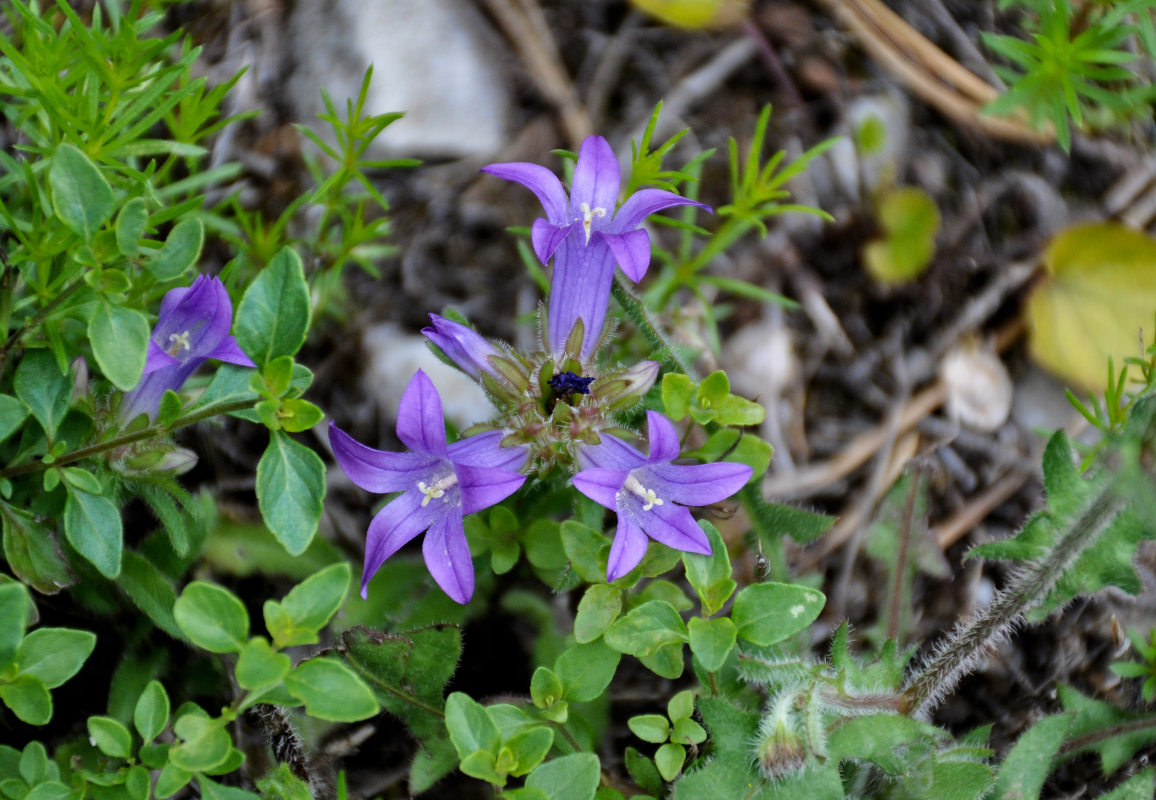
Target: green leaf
[(33, 763), (545, 688), (572, 777), (130, 226), (138, 783), (171, 780), (275, 311), (28, 698), (653, 728), (12, 414), (42, 387), (308, 607), (585, 670), (259, 665), (81, 197), (151, 714), (111, 737), (296, 415), (1138, 787), (597, 610), (49, 790), (1098, 723), (666, 661), (643, 771), (653, 625), (290, 490), (331, 691), (669, 759), (529, 747), (408, 672), (92, 526), (711, 640), (120, 338), (14, 607), (54, 654), (885, 740), (181, 251), (587, 550), (212, 617), (211, 790), (470, 727), (710, 576), (687, 731), (1027, 764), (677, 394), (32, 552), (766, 613), (206, 743), (150, 591)]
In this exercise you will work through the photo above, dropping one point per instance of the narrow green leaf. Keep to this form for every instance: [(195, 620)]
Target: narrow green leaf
[(14, 607), (81, 197), (130, 226), (290, 490)]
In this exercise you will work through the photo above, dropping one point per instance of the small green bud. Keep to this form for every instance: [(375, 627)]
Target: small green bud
[(781, 749)]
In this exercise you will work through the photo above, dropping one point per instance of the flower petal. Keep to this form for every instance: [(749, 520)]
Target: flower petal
[(601, 485), (402, 519), (579, 289), (664, 446), (674, 527), (485, 450), (195, 320), (482, 487), (546, 236), (597, 177), (230, 352), (697, 484), (539, 180), (377, 470), (645, 202), (612, 453), (628, 549), (420, 423), (157, 358), (631, 251), (447, 556), (462, 345)]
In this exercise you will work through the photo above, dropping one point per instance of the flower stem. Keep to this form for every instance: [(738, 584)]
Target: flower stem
[(199, 415), (969, 640), (663, 349)]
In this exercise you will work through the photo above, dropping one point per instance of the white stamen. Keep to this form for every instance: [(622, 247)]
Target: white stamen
[(588, 215), (177, 341), (648, 496), (438, 490)]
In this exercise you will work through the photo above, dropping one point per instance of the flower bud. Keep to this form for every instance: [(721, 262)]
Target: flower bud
[(622, 389), (462, 345), (781, 749)]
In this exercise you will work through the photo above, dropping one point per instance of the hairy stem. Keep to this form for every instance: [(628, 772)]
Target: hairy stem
[(663, 349), (969, 640)]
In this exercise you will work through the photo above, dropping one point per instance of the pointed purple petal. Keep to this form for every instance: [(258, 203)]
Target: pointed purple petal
[(229, 351), (631, 251), (420, 424), (664, 444), (697, 484), (674, 527), (546, 236), (628, 549), (462, 345), (199, 316), (447, 556), (539, 180), (601, 485), (377, 470), (485, 450), (482, 487), (612, 453), (645, 202), (596, 177), (401, 520), (579, 289), (157, 358)]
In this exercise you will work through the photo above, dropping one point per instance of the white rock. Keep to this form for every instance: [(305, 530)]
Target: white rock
[(393, 358), (760, 361), (979, 389), (436, 60)]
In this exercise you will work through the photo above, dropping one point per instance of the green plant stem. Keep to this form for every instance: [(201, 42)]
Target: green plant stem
[(637, 314), (35, 320), (569, 737), (126, 439), (970, 640)]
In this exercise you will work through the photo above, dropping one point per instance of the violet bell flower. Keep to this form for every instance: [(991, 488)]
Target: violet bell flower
[(462, 345), (192, 326), (587, 236), (439, 485), (644, 491)]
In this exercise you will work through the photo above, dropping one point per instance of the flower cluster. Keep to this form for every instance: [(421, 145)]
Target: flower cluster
[(555, 409)]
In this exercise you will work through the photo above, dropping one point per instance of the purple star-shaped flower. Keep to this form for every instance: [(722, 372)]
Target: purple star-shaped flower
[(644, 492), (587, 236), (192, 326), (439, 483), (462, 345)]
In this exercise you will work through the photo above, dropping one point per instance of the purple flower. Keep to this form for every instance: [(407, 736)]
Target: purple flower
[(193, 325), (462, 345), (439, 484), (644, 492), (587, 236)]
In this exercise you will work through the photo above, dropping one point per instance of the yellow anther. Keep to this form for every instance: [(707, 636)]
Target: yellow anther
[(588, 215), (648, 496), (438, 490), (177, 341)]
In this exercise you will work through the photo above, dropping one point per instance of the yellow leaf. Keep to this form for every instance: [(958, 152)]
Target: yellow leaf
[(696, 13), (910, 220), (1099, 294)]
